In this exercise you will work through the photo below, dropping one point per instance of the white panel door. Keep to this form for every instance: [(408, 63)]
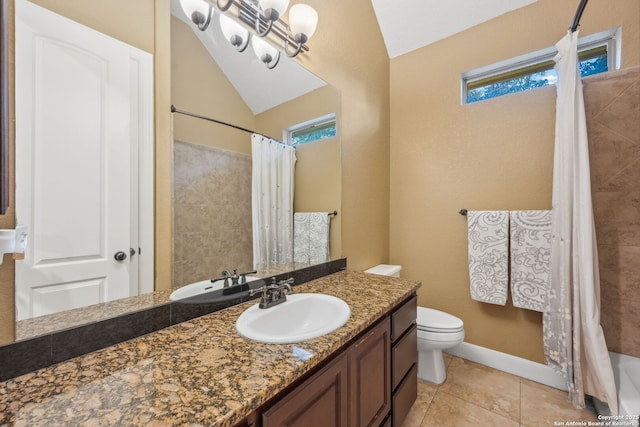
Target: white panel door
[(73, 163)]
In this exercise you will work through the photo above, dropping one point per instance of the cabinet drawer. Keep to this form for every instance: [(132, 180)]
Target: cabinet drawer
[(405, 396), (404, 317), (403, 355)]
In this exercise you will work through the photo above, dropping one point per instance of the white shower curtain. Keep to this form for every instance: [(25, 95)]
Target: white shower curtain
[(574, 341), (273, 166)]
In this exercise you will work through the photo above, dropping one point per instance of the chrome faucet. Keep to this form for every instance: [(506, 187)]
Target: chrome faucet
[(233, 282), (274, 293), (225, 276)]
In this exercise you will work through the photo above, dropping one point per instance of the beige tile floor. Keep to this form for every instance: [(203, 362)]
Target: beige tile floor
[(476, 395)]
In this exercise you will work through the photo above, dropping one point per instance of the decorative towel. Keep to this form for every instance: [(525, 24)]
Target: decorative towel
[(311, 237), (488, 260), (530, 256)]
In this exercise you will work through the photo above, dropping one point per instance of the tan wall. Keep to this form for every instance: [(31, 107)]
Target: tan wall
[(199, 86), (318, 166), (120, 19), (348, 52), (495, 154), (613, 126)]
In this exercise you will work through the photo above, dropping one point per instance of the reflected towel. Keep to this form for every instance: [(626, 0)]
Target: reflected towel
[(488, 255), (530, 257), (311, 237)]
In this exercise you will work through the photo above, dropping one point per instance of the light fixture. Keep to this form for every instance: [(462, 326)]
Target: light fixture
[(268, 54), (303, 20), (199, 11), (261, 16), (272, 9), (224, 7), (235, 33)]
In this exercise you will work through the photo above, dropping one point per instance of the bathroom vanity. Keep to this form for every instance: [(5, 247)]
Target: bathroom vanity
[(202, 372)]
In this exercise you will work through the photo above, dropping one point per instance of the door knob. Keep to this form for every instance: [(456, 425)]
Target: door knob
[(132, 252), (120, 256)]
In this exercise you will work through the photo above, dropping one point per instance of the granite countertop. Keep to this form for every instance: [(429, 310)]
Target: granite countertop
[(200, 372)]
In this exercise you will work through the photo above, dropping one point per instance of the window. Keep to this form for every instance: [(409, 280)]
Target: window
[(598, 53), (312, 130)]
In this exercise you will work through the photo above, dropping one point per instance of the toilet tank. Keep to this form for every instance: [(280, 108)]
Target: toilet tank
[(385, 270)]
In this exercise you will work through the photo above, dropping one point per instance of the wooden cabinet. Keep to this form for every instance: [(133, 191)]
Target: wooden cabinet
[(320, 401), (369, 377), (404, 360), (373, 382)]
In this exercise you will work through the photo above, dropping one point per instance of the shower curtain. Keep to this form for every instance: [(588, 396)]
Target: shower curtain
[(574, 342), (272, 177)]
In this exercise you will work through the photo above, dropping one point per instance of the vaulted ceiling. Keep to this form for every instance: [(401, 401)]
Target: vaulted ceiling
[(407, 25)]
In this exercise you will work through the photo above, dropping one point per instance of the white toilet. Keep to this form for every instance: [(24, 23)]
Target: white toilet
[(437, 331)]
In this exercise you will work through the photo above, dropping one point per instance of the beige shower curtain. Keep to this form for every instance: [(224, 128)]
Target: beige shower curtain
[(574, 342)]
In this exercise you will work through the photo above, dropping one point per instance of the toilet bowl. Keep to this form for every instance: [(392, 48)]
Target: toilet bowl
[(437, 331)]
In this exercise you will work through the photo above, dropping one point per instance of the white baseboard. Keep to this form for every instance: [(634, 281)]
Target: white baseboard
[(512, 364)]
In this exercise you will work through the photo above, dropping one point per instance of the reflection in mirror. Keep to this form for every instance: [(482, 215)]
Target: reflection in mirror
[(83, 166), (208, 91), (214, 229)]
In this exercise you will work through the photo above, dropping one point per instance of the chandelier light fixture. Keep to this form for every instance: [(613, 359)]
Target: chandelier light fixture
[(263, 19)]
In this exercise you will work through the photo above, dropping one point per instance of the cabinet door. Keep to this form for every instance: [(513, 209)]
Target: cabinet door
[(321, 401), (369, 377)]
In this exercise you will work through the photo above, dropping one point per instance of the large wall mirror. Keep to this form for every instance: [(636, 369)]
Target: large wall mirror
[(212, 163)]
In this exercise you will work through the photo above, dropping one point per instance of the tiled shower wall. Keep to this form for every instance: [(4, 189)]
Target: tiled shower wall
[(613, 125), (211, 212)]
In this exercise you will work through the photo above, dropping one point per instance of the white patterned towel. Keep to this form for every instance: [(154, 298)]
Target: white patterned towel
[(488, 250), (530, 256), (311, 237)]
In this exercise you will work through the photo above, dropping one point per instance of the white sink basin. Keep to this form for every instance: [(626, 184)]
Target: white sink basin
[(302, 317), (198, 288)]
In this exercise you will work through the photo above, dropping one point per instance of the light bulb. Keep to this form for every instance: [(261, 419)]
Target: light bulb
[(265, 52), (233, 32), (199, 11), (279, 6), (303, 19)]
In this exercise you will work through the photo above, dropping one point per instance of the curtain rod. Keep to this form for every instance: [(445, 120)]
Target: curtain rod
[(576, 18), (220, 122)]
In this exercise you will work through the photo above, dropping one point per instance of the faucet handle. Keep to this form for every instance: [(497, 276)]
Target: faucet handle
[(262, 289), (286, 284), (243, 276)]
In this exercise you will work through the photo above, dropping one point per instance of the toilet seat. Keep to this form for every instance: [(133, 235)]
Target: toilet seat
[(431, 320)]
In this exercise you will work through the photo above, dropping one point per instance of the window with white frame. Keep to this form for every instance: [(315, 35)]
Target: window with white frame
[(311, 130), (597, 53)]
